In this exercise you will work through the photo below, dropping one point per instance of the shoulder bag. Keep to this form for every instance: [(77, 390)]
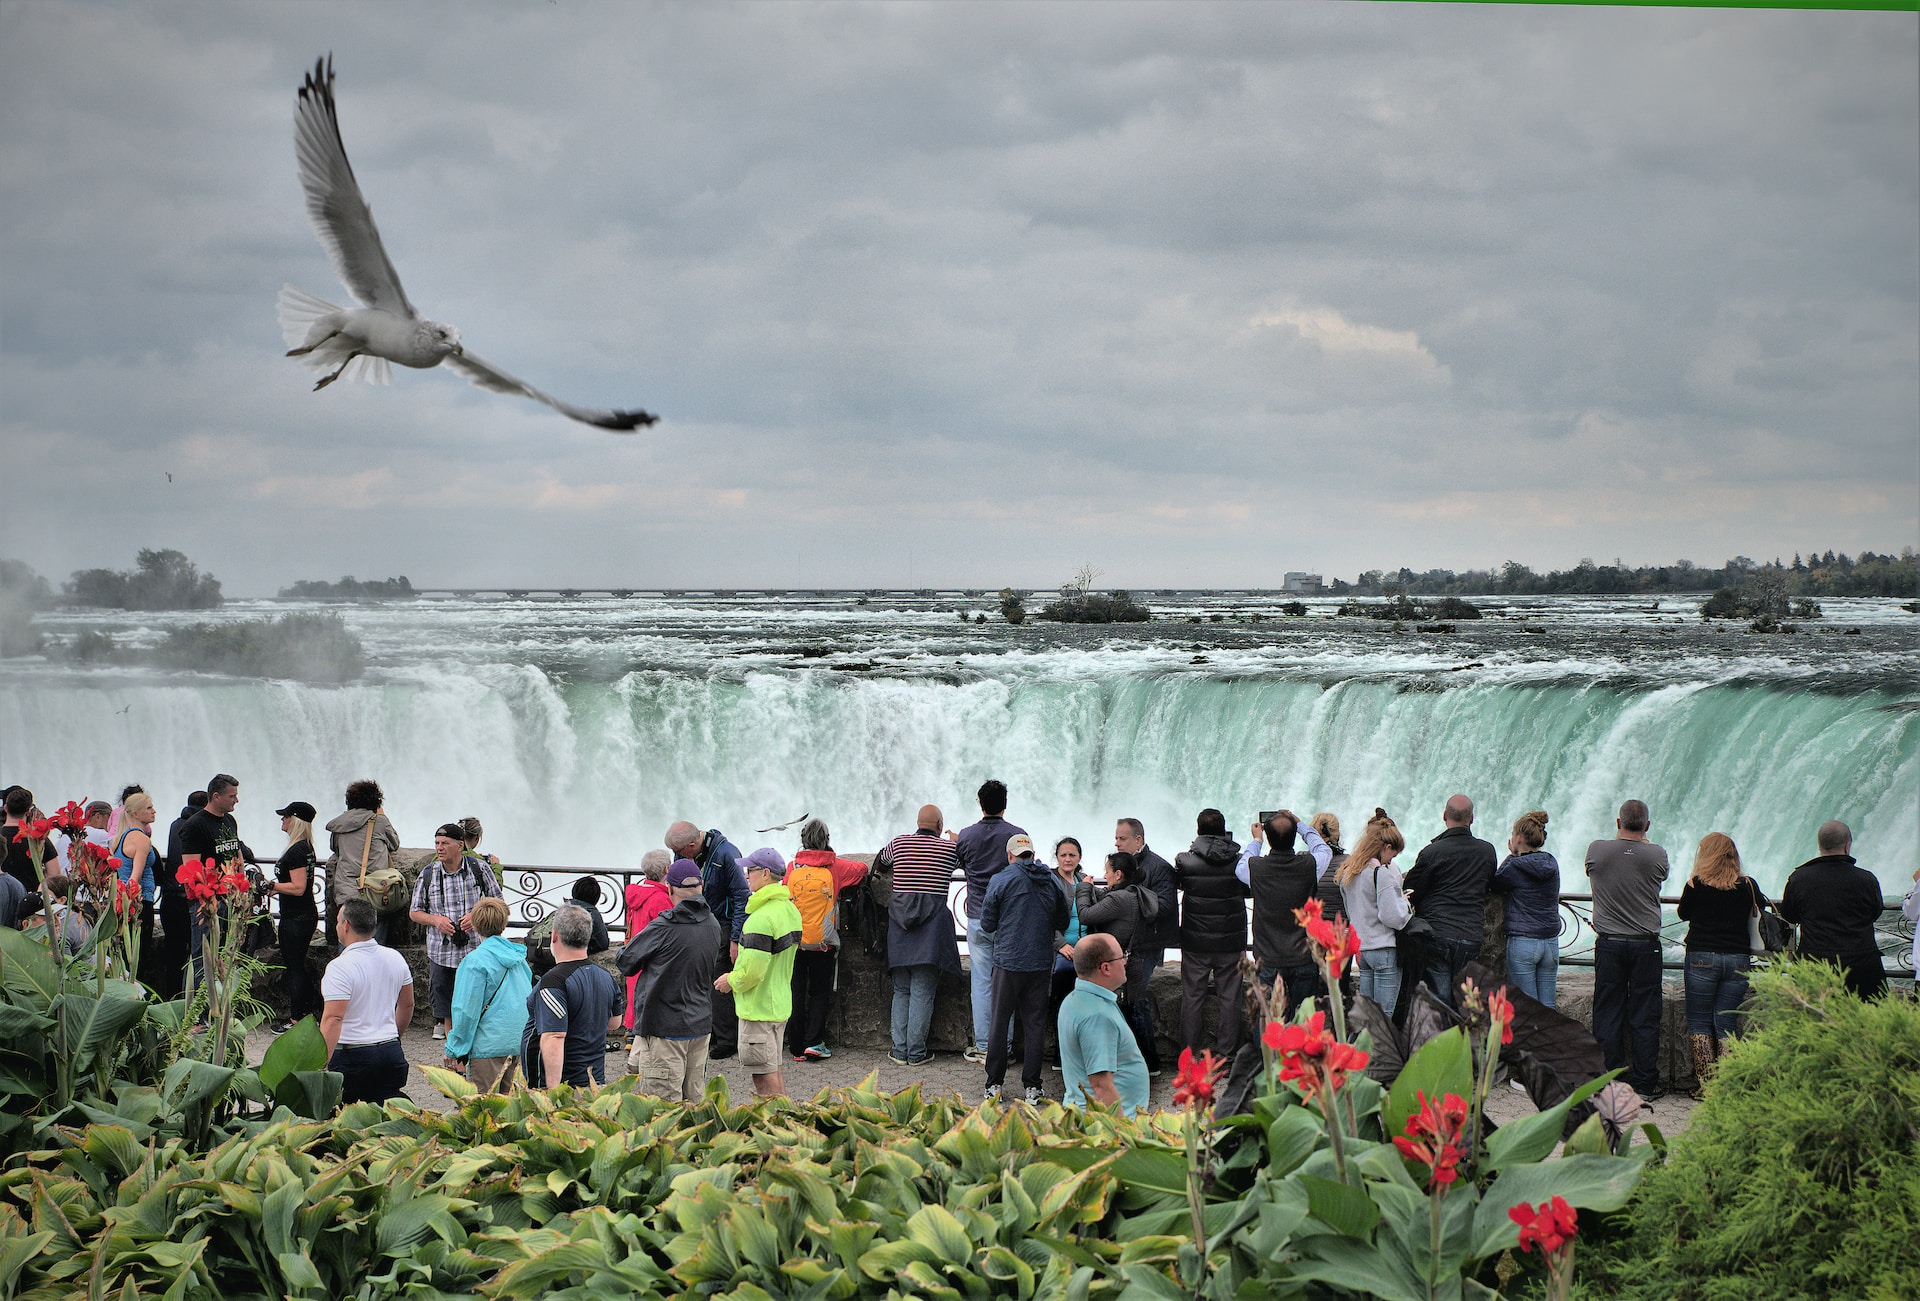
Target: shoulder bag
[(1767, 932), (384, 887)]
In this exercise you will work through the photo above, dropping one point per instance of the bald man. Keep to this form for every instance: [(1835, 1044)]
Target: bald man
[(1835, 903), (724, 883), (1448, 887), (1098, 1057), (920, 931)]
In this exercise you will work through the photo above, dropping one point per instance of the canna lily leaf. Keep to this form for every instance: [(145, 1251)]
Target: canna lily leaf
[(301, 1048)]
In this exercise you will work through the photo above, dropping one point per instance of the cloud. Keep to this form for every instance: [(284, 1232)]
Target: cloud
[(1008, 288)]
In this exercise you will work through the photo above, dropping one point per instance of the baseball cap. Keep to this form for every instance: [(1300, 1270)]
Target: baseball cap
[(768, 858), (683, 873), (1019, 845), (298, 809)]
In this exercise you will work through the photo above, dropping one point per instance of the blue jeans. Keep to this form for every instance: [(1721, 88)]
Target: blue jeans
[(1445, 957), (1626, 1007), (913, 991), (980, 969), (1716, 986), (1534, 967), (1376, 975)]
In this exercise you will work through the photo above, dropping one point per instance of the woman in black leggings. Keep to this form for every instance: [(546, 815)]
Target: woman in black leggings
[(299, 918)]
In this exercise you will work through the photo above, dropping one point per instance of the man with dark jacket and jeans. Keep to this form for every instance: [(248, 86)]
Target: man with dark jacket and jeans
[(1213, 932), (1627, 873), (982, 849), (1448, 886), (724, 883), (674, 957), (1281, 882), (1149, 950), (1835, 903), (1023, 908)]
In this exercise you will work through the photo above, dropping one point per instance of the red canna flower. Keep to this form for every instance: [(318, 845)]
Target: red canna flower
[(1546, 1229), (1500, 1008), (126, 900), (70, 818), (1334, 942), (1433, 1136), (1310, 1055), (1197, 1079), (34, 829)]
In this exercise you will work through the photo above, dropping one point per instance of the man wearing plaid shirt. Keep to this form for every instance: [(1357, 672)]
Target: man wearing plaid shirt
[(443, 898)]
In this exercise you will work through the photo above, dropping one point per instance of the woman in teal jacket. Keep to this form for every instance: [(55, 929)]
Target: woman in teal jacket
[(490, 996)]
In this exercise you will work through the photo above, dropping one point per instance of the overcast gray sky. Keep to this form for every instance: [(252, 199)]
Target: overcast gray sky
[(970, 294)]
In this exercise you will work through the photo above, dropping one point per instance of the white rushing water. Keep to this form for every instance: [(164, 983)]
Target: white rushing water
[(576, 730)]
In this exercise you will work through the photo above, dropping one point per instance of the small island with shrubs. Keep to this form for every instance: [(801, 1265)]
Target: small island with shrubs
[(1079, 603), (350, 589)]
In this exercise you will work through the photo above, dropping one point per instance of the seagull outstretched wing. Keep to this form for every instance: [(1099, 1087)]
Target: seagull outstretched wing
[(487, 375), (340, 215)]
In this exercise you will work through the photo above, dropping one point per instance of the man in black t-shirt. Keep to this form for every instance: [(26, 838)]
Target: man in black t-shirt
[(213, 836), (570, 1010)]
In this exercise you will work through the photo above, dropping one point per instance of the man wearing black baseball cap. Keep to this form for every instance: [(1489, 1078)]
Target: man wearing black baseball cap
[(442, 898), (299, 918)]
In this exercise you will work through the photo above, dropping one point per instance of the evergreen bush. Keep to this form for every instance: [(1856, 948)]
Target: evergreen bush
[(1799, 1176)]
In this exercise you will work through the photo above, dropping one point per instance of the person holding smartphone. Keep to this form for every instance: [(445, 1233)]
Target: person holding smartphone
[(443, 900)]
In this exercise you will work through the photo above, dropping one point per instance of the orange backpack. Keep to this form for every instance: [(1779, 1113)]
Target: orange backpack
[(813, 895)]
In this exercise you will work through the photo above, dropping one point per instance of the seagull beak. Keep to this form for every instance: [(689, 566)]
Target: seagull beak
[(459, 349)]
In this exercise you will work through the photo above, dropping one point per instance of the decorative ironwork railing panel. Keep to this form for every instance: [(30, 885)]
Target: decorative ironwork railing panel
[(534, 890)]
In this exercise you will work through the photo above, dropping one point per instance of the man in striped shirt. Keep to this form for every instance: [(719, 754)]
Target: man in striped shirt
[(920, 935)]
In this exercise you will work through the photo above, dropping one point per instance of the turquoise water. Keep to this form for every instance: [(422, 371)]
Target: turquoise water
[(578, 730)]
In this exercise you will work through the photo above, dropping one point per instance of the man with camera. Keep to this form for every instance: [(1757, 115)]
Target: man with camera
[(443, 900)]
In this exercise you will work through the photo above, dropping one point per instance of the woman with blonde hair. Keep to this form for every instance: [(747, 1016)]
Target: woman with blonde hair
[(1530, 879), (1717, 903), (299, 916), (1377, 908)]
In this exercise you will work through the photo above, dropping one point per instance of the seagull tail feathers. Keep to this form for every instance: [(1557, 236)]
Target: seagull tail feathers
[(298, 311)]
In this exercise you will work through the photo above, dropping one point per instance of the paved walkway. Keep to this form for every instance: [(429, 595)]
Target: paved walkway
[(948, 1073)]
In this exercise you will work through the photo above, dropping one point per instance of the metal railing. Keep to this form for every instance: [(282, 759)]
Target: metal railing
[(534, 890)]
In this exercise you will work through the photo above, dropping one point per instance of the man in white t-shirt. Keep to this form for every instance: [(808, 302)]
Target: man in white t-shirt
[(369, 999)]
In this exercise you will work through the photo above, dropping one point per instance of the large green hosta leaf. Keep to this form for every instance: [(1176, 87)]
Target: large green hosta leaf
[(28, 972)]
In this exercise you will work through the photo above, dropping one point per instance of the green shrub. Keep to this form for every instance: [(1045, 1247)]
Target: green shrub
[(1096, 607), (1799, 1176)]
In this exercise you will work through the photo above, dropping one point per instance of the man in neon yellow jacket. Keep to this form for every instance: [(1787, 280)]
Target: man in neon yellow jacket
[(761, 981)]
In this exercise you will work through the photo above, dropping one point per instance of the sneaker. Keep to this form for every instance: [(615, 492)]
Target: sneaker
[(975, 1054), (1650, 1096), (921, 1060), (992, 1094), (280, 1027), (818, 1053), (1034, 1096), (898, 1058), (439, 1032), (802, 1057), (1516, 1086)]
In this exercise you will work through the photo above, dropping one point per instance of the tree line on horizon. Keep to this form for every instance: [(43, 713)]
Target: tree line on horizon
[(1817, 574)]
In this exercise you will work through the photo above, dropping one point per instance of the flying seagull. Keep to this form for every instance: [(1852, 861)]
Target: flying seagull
[(385, 328), (761, 831)]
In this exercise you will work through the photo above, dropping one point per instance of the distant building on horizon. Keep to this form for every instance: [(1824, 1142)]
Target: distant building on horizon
[(1299, 584)]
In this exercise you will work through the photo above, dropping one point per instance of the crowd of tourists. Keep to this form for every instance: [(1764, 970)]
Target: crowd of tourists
[(729, 953)]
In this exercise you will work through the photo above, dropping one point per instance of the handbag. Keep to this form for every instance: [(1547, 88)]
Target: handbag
[(1767, 931), (384, 887)]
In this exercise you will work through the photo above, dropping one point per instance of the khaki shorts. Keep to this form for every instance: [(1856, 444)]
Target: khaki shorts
[(761, 1045), (485, 1072), (674, 1069)]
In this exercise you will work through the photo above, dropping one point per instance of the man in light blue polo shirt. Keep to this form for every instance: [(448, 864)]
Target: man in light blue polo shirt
[(1098, 1055)]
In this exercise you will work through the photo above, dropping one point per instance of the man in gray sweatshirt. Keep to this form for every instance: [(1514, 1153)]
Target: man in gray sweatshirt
[(1627, 874)]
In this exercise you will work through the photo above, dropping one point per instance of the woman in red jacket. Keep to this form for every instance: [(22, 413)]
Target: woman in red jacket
[(646, 900)]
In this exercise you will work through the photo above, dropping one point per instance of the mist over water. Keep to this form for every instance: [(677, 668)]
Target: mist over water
[(577, 730)]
